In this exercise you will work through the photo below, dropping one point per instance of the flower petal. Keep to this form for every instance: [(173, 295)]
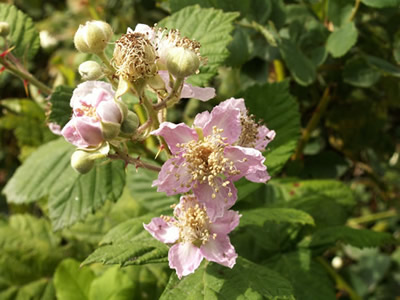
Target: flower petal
[(249, 162), (90, 131), (85, 93), (201, 119), (233, 103), (174, 177), (185, 258), (202, 94), (72, 136), (162, 231), (109, 111), (227, 119), (225, 224), (264, 137), (216, 202), (175, 134), (220, 250)]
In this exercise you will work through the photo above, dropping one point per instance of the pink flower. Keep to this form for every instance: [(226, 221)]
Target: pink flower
[(195, 235), (188, 90), (96, 116), (211, 156)]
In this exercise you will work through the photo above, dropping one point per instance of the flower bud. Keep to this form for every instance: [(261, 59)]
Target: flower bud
[(93, 37), (130, 124), (90, 70), (81, 161), (4, 29), (182, 62)]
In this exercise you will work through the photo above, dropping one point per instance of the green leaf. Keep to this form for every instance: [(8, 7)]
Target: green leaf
[(113, 284), (385, 67), (60, 109), (342, 40), (303, 271), (71, 281), (245, 281), (23, 34), (72, 196), (259, 216), (139, 182), (210, 27), (339, 11), (358, 73), (34, 179), (273, 104), (360, 238), (300, 66), (129, 244), (381, 3)]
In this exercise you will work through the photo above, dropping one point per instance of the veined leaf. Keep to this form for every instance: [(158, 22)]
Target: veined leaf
[(279, 111), (23, 34), (60, 109), (210, 27), (245, 280)]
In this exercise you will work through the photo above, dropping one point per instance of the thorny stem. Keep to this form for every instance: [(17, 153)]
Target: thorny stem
[(340, 282), (319, 111), (24, 74), (134, 161)]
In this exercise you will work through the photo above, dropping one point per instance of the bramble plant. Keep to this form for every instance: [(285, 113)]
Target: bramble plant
[(178, 154)]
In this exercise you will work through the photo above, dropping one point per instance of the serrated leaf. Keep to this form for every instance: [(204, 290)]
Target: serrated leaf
[(385, 67), (300, 66), (60, 109), (71, 281), (245, 281), (303, 271), (34, 179), (259, 216), (72, 196), (129, 244), (342, 40), (210, 27), (381, 3), (273, 104), (360, 238), (139, 184), (358, 73), (23, 34)]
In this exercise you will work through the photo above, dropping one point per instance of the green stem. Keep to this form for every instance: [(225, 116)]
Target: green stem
[(319, 111), (355, 9), (26, 76), (176, 89), (372, 217), (105, 61), (340, 282)]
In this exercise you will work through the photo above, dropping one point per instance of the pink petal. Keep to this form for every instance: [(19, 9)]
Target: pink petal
[(225, 224), (220, 250), (224, 198), (264, 137), (185, 258), (249, 162), (175, 134), (173, 178), (162, 231), (88, 92), (89, 131), (109, 111), (72, 135), (227, 119), (202, 94), (233, 103), (201, 119), (54, 128)]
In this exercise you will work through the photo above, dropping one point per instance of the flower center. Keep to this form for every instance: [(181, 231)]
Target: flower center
[(193, 222), (86, 110), (248, 136), (134, 57), (205, 158)]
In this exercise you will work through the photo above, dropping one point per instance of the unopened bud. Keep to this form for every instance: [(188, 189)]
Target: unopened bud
[(4, 29), (182, 62), (82, 161), (130, 124), (93, 37), (90, 70)]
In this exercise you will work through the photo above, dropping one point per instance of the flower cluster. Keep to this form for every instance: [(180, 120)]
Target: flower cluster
[(205, 160)]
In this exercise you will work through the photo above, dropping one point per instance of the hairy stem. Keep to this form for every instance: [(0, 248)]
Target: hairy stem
[(134, 161), (355, 9)]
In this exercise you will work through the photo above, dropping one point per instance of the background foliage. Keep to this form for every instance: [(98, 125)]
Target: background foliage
[(324, 74)]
